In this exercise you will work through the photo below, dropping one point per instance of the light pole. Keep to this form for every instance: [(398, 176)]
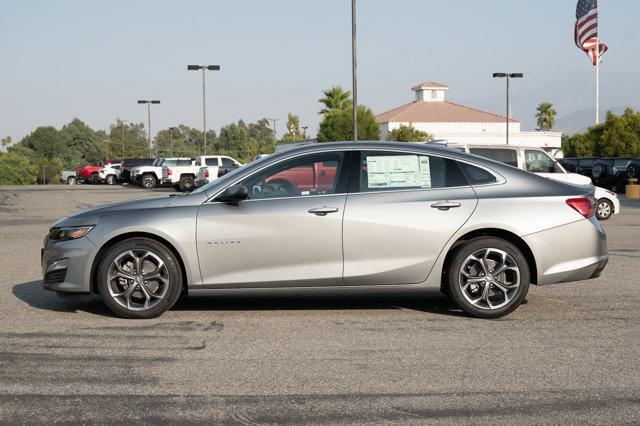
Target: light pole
[(354, 75), (508, 76), (274, 127), (204, 96), (304, 131), (148, 102)]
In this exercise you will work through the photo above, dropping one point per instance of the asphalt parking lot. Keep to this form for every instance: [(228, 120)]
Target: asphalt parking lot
[(572, 353)]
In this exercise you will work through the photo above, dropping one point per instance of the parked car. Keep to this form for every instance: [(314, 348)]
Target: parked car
[(182, 175), (394, 216), (109, 174), (148, 176), (68, 177), (537, 161), (580, 165), (89, 173), (213, 166), (611, 173), (130, 163)]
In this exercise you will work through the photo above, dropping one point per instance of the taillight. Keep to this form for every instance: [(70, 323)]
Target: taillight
[(169, 172), (206, 173), (585, 206)]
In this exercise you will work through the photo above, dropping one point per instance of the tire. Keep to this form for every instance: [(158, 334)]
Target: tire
[(111, 180), (633, 171), (148, 181), (604, 209), (177, 187), (514, 280), (187, 184), (129, 298), (93, 178), (72, 180)]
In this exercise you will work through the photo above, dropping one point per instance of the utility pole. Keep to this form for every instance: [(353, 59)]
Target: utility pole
[(274, 127), (354, 74), (122, 126), (204, 96)]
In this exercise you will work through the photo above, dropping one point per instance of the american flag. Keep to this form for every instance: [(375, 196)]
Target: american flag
[(586, 30)]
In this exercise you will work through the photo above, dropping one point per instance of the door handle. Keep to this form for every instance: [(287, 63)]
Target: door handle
[(445, 205), (322, 210)]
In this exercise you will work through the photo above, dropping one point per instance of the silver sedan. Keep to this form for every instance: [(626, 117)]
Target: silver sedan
[(336, 216)]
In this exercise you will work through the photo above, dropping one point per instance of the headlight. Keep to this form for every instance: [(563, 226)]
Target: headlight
[(69, 233)]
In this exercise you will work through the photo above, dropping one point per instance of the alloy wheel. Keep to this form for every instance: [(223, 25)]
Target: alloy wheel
[(489, 278), (604, 209), (138, 279)]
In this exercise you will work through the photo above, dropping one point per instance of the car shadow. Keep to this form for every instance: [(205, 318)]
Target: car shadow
[(428, 301)]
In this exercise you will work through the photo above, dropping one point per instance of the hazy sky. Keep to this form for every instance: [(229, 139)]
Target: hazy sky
[(93, 59)]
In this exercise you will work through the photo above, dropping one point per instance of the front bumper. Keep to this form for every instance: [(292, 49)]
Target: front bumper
[(573, 252), (66, 265)]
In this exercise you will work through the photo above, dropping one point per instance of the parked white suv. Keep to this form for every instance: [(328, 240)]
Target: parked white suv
[(211, 167), (181, 173), (537, 161), (110, 173), (148, 176)]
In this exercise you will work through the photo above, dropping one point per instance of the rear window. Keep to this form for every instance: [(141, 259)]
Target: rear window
[(503, 155), (476, 175)]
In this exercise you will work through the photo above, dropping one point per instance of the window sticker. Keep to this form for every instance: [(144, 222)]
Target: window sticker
[(398, 171)]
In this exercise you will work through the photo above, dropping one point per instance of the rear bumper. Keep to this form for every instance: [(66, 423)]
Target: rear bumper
[(573, 252)]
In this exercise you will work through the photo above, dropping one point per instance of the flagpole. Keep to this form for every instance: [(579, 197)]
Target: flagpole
[(598, 66)]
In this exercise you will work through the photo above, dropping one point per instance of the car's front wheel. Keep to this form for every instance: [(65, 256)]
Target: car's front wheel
[(139, 278), (488, 277), (604, 209), (148, 181), (111, 180)]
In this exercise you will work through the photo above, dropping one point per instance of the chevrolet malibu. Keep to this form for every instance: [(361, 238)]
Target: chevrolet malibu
[(320, 217)]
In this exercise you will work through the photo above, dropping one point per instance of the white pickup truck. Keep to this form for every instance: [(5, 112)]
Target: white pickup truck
[(183, 177), (150, 176), (211, 167)]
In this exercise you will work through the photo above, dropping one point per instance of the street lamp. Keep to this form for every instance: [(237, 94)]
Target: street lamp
[(204, 96), (148, 102), (508, 76)]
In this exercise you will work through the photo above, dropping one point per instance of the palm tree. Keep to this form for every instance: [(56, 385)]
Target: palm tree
[(335, 98), (546, 116)]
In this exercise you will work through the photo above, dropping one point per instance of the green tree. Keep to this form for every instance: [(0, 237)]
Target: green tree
[(546, 116), (293, 129), (16, 169), (335, 98), (44, 141), (408, 134), (80, 144), (337, 125)]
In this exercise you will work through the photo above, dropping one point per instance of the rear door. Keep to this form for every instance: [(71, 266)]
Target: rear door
[(404, 209)]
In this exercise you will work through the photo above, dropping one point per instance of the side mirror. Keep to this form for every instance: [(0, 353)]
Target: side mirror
[(233, 194)]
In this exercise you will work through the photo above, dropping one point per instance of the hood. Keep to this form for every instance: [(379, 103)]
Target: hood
[(91, 215)]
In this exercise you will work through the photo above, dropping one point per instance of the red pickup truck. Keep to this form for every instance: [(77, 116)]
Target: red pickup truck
[(89, 174), (318, 178)]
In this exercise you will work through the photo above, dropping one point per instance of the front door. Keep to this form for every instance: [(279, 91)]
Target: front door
[(287, 234), (407, 208)]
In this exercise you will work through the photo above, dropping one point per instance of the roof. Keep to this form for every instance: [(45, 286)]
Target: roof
[(430, 85), (439, 112)]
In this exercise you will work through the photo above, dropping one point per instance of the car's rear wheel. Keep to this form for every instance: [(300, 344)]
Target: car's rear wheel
[(72, 180), (149, 181), (187, 184), (488, 278), (139, 278), (604, 209)]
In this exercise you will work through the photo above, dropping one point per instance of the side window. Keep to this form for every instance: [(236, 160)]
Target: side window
[(477, 175), (316, 174), (181, 163), (212, 162), (586, 163), (386, 171), (227, 162), (169, 163), (620, 163), (538, 162), (503, 155)]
